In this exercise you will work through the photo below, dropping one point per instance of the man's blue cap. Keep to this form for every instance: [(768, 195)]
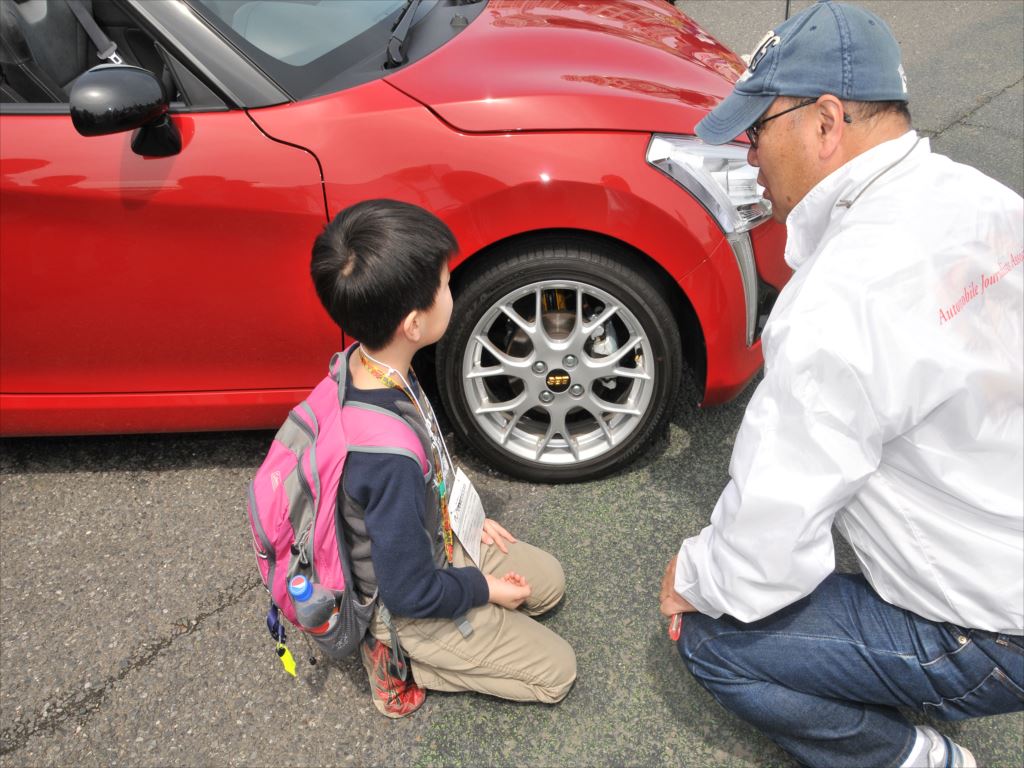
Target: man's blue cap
[(827, 48)]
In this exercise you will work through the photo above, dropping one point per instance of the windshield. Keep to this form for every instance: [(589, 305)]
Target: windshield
[(307, 46)]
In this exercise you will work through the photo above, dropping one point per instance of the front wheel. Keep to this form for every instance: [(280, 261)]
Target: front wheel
[(560, 363)]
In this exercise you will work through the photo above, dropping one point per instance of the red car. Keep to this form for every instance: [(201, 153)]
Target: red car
[(158, 212)]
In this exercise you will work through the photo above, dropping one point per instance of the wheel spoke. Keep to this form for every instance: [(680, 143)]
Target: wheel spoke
[(557, 426), (482, 372), (605, 406), (595, 415), (623, 409), (632, 373), (507, 362), (538, 311), (610, 311), (598, 416), (542, 443), (501, 407), (530, 329), (563, 428), (579, 323), (517, 414)]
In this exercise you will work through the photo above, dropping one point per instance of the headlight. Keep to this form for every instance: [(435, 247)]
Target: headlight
[(718, 176), (722, 181)]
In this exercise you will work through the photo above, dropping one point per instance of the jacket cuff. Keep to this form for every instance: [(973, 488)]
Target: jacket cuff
[(687, 585), (477, 582)]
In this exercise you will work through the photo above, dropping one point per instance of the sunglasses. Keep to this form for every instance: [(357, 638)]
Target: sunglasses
[(754, 131)]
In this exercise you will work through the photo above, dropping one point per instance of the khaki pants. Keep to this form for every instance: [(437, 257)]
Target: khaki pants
[(508, 654)]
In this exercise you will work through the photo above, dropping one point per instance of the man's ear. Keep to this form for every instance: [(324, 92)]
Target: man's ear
[(830, 125), (411, 326)]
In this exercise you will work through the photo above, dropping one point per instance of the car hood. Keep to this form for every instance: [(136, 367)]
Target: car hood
[(562, 65)]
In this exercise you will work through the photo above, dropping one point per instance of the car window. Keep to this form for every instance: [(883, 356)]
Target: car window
[(308, 47), (314, 47), (298, 33), (45, 49)]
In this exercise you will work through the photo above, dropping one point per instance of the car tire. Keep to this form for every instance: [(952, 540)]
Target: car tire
[(578, 394)]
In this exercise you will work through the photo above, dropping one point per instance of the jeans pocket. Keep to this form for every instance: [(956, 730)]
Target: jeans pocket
[(943, 646), (996, 694)]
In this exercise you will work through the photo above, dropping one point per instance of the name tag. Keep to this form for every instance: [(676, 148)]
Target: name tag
[(467, 515)]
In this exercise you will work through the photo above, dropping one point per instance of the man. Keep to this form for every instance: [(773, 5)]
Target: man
[(891, 407)]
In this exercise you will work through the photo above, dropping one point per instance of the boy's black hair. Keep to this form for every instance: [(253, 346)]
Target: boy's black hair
[(376, 262)]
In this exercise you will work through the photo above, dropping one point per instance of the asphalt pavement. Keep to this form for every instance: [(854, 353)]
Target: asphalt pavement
[(131, 617)]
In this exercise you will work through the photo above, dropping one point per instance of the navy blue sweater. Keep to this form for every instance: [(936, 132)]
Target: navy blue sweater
[(390, 489)]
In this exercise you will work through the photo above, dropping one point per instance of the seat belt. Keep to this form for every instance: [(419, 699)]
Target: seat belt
[(105, 47)]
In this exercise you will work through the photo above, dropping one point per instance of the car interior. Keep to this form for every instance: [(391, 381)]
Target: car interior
[(44, 48)]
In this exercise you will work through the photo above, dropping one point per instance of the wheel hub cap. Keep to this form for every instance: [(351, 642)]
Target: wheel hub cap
[(558, 380)]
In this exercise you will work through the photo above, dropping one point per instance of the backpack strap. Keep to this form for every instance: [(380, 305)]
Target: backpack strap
[(370, 428)]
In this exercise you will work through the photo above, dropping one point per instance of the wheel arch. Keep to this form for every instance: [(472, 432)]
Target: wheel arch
[(686, 319)]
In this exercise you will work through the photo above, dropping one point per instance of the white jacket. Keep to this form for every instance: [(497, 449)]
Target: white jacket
[(892, 403)]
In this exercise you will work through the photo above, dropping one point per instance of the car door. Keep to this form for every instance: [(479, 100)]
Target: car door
[(125, 274)]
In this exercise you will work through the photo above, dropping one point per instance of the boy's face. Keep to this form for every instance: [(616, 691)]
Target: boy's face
[(434, 320)]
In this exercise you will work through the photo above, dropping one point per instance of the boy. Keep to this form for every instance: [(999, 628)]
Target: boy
[(381, 271)]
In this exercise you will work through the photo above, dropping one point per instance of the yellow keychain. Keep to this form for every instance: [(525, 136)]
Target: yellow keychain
[(287, 660)]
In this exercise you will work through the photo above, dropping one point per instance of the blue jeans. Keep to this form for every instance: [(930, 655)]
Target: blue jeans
[(823, 677)]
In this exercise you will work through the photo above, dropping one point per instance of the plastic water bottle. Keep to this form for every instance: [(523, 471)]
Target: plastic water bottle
[(315, 606)]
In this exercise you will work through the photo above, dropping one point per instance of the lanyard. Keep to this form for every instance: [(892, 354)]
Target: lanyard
[(378, 372)]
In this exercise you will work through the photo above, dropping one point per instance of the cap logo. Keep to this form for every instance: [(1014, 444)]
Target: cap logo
[(903, 78), (768, 42)]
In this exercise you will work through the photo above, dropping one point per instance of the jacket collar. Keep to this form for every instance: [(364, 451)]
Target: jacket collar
[(833, 196)]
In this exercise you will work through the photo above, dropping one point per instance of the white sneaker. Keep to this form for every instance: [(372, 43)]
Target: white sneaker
[(959, 757), (933, 750)]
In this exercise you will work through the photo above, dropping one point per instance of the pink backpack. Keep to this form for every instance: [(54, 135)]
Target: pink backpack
[(293, 510)]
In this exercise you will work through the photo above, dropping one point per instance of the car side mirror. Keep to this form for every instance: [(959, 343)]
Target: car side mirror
[(112, 98)]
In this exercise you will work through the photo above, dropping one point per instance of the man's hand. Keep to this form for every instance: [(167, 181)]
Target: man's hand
[(670, 601), (510, 591), (494, 533)]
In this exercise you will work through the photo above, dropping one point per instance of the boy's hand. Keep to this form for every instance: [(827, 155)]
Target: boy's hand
[(510, 591), (515, 579), (494, 533)]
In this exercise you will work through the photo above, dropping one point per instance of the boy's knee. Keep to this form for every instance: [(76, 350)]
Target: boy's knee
[(559, 676), (549, 589)]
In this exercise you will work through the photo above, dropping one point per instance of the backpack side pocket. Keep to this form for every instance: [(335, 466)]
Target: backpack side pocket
[(343, 639)]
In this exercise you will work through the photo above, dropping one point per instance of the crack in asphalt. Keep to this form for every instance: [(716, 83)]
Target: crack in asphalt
[(962, 120), (81, 705)]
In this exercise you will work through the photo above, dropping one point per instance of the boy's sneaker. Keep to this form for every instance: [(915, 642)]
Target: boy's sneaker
[(393, 697)]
